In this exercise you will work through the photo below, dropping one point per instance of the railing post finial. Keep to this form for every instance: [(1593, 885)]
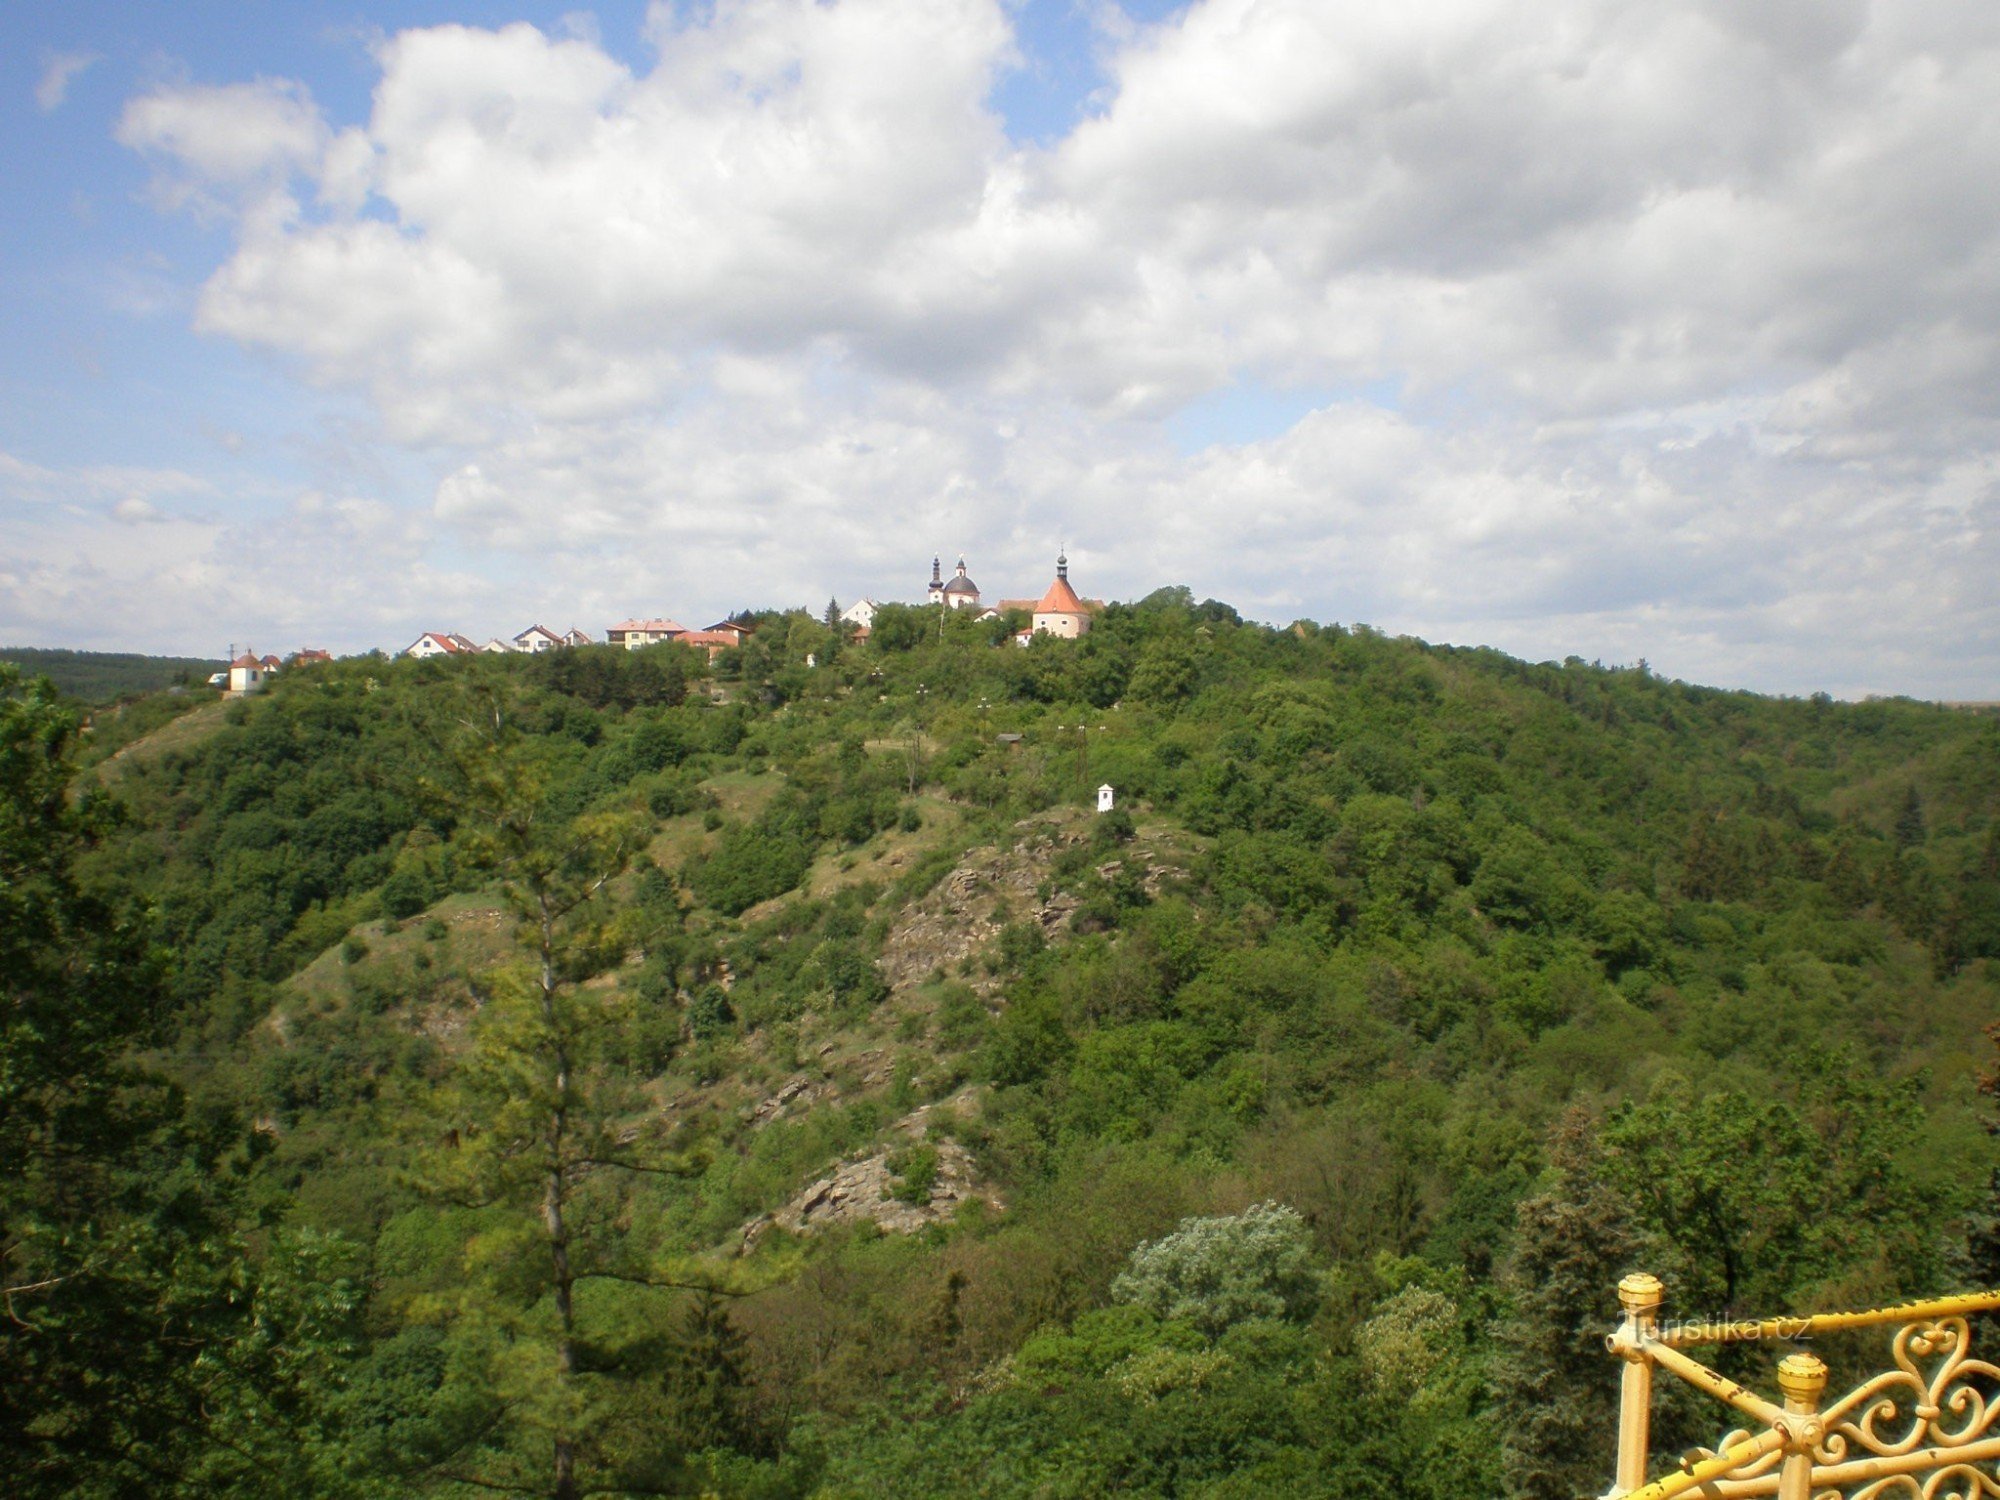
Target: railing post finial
[(1639, 1294), (1802, 1378)]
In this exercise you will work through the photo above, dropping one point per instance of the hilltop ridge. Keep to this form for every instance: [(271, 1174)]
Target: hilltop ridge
[(889, 1039)]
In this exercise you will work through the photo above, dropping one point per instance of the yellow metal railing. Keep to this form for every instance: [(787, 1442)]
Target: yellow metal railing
[(1933, 1413)]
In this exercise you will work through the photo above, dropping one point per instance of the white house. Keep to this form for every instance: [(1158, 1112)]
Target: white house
[(861, 613), (439, 643), (537, 639)]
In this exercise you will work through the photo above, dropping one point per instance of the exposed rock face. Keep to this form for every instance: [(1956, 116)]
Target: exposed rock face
[(863, 1188), (798, 1089), (962, 917)]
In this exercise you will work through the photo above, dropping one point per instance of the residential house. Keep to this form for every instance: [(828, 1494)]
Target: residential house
[(861, 613), (439, 643), (575, 637), (537, 639), (310, 656), (722, 636), (632, 634), (741, 627)]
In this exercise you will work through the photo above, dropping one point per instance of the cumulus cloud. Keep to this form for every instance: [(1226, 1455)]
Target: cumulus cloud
[(59, 71), (1663, 330), (234, 143), (112, 557)]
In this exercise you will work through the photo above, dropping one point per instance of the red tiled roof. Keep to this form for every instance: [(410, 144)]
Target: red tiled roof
[(247, 660), (714, 637), (668, 627), (1060, 600)]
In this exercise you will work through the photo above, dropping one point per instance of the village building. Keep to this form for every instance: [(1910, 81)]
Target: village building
[(496, 645), (575, 637), (310, 656), (537, 639), (439, 643), (248, 671), (956, 592), (630, 635), (715, 640), (861, 613), (1059, 612)]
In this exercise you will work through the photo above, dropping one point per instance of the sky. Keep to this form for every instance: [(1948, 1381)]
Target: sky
[(1617, 329)]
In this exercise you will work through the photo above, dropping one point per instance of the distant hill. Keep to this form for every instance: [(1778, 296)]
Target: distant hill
[(100, 676)]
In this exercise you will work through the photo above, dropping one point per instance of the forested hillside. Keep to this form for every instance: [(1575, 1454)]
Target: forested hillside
[(100, 676), (598, 1073)]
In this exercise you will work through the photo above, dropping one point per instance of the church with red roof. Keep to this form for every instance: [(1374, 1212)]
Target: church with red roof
[(1059, 612)]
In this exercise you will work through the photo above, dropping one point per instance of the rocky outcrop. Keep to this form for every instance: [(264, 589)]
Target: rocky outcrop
[(864, 1188)]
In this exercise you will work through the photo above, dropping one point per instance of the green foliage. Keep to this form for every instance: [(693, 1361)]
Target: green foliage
[(1385, 912), (915, 1169), (100, 676), (1215, 1272), (1556, 1395)]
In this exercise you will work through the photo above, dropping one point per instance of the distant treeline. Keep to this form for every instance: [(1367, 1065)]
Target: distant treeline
[(101, 676)]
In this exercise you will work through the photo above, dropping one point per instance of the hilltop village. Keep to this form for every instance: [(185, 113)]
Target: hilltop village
[(1059, 611)]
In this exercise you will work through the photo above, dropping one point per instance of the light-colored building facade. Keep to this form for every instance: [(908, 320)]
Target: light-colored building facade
[(632, 634), (247, 673), (1060, 612), (955, 592), (439, 643)]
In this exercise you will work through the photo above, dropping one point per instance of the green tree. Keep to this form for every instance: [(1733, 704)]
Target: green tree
[(531, 1122), (141, 1350), (1555, 1390), (1910, 825), (1214, 1272)]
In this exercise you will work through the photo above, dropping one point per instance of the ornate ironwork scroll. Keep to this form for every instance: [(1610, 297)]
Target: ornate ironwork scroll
[(1928, 1428)]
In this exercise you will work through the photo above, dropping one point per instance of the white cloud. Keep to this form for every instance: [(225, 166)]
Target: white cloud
[(59, 71), (1680, 323), (234, 143)]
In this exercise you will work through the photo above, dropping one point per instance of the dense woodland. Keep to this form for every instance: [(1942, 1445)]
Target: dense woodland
[(104, 676), (412, 1074)]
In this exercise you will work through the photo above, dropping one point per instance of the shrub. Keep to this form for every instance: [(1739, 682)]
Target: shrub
[(1217, 1271), (709, 1013), (916, 1171)]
